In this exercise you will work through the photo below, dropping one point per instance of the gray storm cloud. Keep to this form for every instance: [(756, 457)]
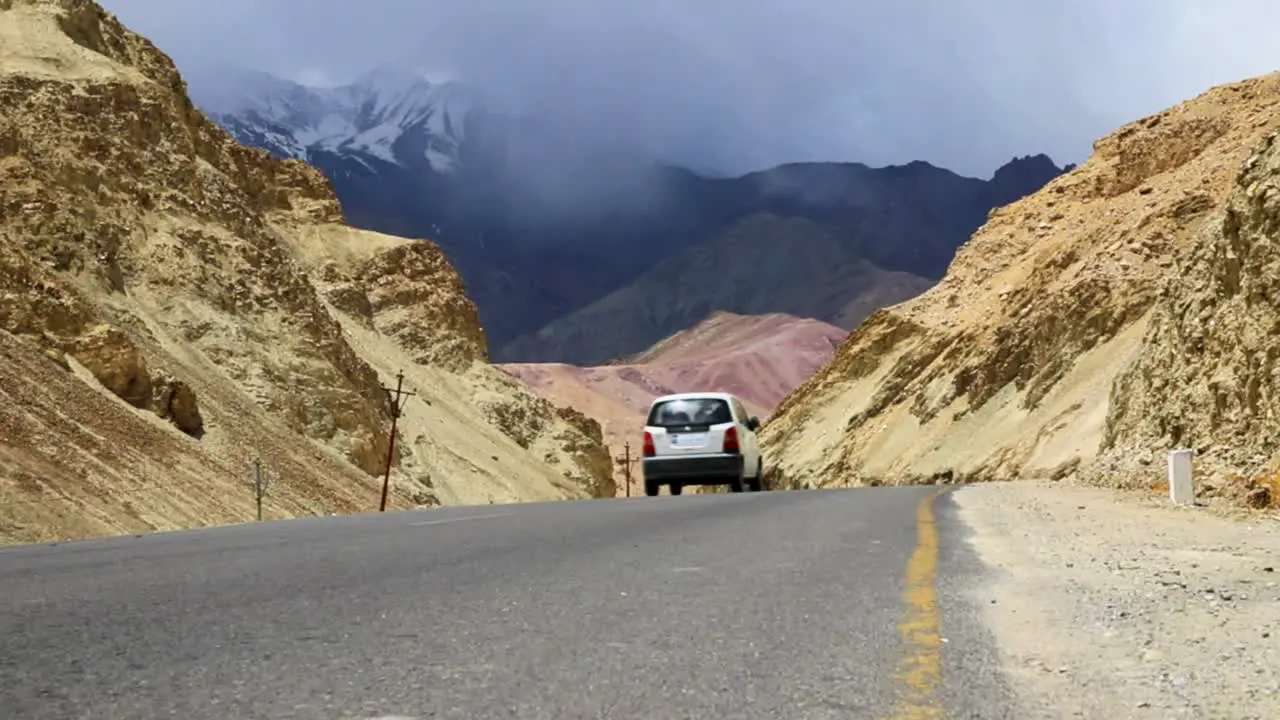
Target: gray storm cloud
[(736, 85)]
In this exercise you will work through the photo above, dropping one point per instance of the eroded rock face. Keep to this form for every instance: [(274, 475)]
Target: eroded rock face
[(174, 400), (108, 354), (1207, 377), (1003, 368), (38, 306), (406, 294), (142, 244), (590, 452), (121, 186), (414, 295), (529, 419)]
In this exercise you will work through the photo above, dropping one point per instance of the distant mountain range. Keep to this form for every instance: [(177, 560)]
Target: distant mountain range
[(581, 252), (760, 358)]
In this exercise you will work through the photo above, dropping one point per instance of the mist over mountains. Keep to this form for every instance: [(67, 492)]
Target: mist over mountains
[(545, 225)]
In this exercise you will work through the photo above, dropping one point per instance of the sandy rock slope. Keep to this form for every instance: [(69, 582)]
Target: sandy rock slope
[(174, 305), (1125, 309)]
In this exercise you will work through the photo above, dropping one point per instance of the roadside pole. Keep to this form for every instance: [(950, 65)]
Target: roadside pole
[(260, 484), (397, 406), (625, 461)]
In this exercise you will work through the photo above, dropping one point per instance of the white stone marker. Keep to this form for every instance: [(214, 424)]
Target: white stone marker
[(1182, 489)]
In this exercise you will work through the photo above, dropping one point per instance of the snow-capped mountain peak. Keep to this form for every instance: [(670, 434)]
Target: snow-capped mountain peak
[(368, 117)]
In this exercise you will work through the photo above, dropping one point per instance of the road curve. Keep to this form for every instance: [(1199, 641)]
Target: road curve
[(819, 604)]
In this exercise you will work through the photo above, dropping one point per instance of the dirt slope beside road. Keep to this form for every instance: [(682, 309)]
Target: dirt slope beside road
[(1021, 361), (759, 357), (213, 307), (1134, 609)]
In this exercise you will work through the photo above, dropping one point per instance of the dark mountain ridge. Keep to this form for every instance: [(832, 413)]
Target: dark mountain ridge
[(541, 225)]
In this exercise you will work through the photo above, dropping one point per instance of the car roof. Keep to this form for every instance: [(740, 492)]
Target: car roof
[(728, 397)]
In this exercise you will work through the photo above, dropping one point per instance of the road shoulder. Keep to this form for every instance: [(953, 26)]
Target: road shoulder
[(1112, 605)]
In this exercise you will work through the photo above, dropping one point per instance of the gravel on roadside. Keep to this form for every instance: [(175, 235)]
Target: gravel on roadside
[(1118, 605)]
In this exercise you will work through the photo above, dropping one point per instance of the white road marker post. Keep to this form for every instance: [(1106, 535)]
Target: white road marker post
[(1182, 489)]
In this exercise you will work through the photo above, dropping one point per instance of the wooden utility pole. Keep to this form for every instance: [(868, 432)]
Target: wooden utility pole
[(625, 461), (397, 406), (260, 483)]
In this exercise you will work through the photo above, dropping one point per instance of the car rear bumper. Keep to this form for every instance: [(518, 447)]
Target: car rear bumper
[(694, 469)]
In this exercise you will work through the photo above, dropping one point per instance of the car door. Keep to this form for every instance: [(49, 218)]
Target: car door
[(750, 445)]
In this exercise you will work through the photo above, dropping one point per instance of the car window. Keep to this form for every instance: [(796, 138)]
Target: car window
[(740, 410), (690, 411)]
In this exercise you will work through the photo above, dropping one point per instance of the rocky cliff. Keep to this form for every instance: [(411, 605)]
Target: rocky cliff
[(1206, 377), (1118, 312), (215, 298)]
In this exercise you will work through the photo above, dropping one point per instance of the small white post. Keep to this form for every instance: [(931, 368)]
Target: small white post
[(1182, 489)]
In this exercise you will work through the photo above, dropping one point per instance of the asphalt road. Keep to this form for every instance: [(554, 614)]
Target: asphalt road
[(820, 604)]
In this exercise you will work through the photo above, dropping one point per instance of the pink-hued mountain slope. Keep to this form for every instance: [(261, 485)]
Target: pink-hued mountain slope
[(760, 358)]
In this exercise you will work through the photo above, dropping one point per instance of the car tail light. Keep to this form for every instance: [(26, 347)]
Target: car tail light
[(649, 451), (731, 440)]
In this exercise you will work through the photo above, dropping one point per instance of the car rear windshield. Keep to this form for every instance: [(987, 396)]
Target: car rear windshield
[(690, 411)]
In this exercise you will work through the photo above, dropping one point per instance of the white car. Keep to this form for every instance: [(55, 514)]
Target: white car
[(704, 438)]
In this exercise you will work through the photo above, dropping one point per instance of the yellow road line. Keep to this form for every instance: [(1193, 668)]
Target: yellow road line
[(919, 674)]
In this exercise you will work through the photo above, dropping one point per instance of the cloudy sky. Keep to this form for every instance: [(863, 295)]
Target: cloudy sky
[(743, 84)]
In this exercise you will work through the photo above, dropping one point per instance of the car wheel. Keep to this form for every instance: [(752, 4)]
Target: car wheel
[(650, 487), (756, 482), (735, 485), (675, 488)]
